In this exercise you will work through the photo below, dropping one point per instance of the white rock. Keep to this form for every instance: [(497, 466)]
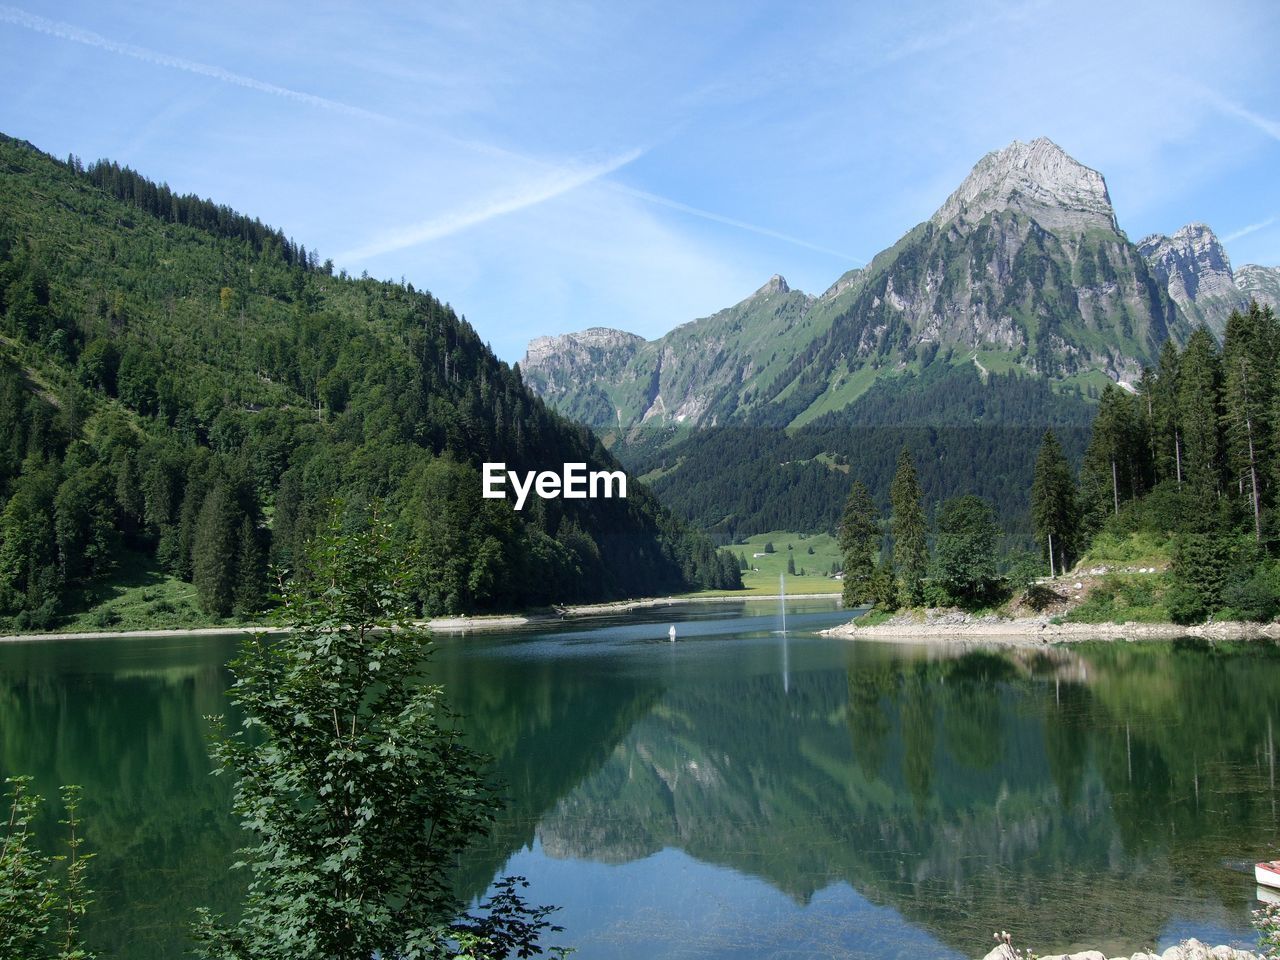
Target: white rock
[(1037, 179)]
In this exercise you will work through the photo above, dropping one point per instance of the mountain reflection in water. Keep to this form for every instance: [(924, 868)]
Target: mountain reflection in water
[(703, 797)]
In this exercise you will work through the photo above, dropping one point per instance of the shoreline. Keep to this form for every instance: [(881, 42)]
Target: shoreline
[(1040, 631), (461, 624)]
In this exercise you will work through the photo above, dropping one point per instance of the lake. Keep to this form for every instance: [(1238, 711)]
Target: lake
[(740, 792)]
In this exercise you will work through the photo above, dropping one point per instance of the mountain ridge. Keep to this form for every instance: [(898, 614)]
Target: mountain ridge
[(1024, 266)]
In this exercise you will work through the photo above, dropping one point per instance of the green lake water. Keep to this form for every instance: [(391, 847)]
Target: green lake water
[(740, 792)]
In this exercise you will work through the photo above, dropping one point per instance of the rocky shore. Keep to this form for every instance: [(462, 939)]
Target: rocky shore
[(950, 624), (1186, 950)]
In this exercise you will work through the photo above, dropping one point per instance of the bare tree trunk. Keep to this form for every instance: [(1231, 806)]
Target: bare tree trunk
[(1253, 479)]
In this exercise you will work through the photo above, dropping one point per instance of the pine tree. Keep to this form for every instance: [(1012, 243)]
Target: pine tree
[(1199, 412), (857, 539), (1054, 512), (1164, 414), (1248, 393), (910, 531), (791, 566), (250, 583), (1107, 475), (213, 552)]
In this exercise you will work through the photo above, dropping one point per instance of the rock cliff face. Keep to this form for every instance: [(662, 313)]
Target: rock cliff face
[(1260, 283), (1036, 179), (567, 370), (696, 375), (1197, 272)]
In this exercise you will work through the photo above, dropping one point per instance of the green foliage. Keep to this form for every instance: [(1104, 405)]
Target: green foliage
[(1113, 469), (1054, 506), (1203, 565), (1124, 599), (965, 561), (354, 780), (1267, 922), (859, 541), (179, 380), (966, 436), (910, 529), (1193, 462), (42, 898)]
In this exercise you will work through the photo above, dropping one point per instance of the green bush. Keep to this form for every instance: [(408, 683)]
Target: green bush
[(1255, 599)]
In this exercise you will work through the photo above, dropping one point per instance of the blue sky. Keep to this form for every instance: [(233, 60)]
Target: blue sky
[(546, 167)]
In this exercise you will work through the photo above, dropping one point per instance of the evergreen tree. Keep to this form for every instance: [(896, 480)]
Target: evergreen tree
[(1053, 504), (910, 531), (791, 565), (251, 570), (1199, 413), (1248, 381), (214, 551), (858, 538), (1166, 426), (1108, 474)]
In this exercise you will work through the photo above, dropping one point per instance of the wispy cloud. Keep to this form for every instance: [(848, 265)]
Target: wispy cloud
[(66, 31), (730, 221), (1251, 228), (1232, 109), (539, 190)]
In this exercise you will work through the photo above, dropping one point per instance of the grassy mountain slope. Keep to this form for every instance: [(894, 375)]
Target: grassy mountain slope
[(184, 383)]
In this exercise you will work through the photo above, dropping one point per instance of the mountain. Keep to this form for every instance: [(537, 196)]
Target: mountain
[(184, 391), (1022, 268), (1002, 315), (699, 374), (1197, 272)]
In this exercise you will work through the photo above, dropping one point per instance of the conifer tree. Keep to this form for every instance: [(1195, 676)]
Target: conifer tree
[(857, 539), (250, 583), (213, 555), (1199, 411), (1167, 460), (1248, 381), (1107, 475), (1053, 504), (910, 531)]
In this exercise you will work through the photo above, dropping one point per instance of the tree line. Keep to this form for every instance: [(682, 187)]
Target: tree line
[(196, 395), (1190, 457)]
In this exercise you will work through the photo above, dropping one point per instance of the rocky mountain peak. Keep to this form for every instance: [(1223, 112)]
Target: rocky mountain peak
[(776, 284), (1192, 262), (595, 344), (1038, 179)]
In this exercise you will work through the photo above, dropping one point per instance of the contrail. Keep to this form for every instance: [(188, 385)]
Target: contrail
[(66, 31), (558, 182), (730, 221), (1251, 228), (1268, 126)]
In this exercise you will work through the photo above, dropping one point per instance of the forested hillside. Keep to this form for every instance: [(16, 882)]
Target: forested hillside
[(1191, 463), (180, 383), (967, 436)]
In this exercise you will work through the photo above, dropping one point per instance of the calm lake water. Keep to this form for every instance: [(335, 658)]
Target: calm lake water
[(739, 792)]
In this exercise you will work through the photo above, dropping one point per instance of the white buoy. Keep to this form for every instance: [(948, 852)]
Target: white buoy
[(671, 633)]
